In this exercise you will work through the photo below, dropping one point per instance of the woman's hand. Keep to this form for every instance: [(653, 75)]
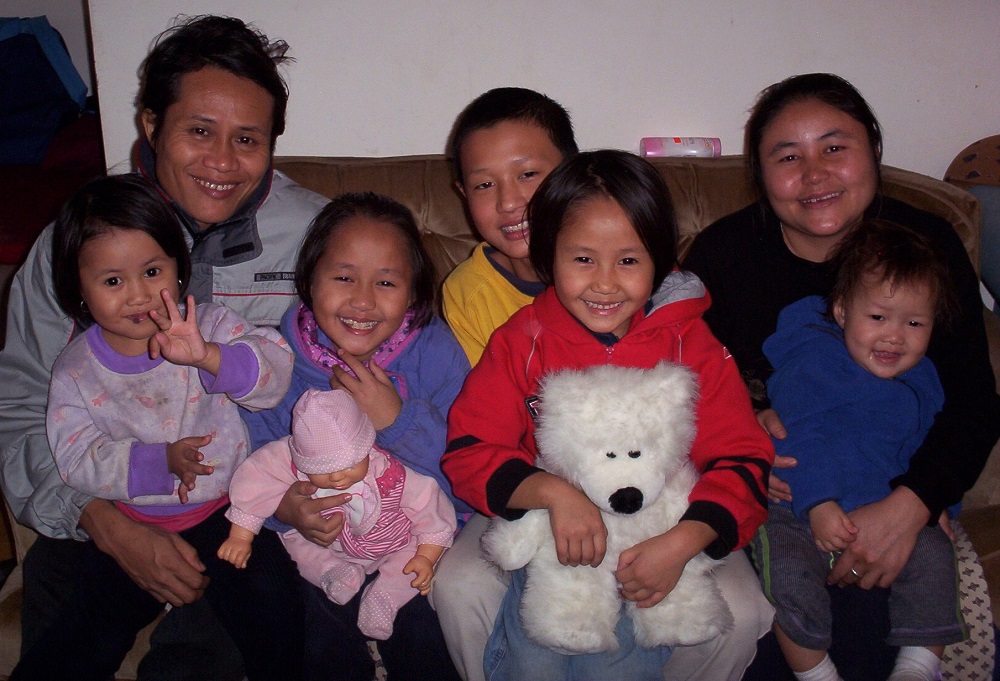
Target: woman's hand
[(179, 339), (158, 561), (648, 571), (184, 459), (777, 489), (371, 388), (887, 533), (299, 509)]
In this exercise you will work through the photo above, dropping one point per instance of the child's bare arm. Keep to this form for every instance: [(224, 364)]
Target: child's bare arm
[(236, 549), (422, 566), (577, 526), (831, 528), (184, 459), (650, 570)]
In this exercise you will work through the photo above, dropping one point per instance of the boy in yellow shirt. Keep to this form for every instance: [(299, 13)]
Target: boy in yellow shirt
[(503, 144)]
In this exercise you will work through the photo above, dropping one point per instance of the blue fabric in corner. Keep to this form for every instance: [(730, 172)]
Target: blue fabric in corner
[(54, 49), (40, 89)]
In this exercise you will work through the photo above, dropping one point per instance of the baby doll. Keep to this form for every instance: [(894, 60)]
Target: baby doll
[(397, 521)]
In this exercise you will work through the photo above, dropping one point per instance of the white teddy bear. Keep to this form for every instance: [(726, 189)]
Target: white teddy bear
[(622, 436)]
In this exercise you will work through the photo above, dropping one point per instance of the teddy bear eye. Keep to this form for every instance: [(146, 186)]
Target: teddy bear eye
[(611, 455), (634, 454)]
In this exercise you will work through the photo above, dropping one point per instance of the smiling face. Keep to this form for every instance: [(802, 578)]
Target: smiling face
[(502, 167), (121, 275), (213, 145), (602, 272), (361, 286), (819, 173), (887, 327), (341, 479)]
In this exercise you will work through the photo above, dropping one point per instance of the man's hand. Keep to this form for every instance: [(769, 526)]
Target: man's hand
[(158, 561), (299, 509)]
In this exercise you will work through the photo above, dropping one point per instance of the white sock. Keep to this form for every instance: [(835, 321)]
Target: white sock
[(824, 671), (915, 664)]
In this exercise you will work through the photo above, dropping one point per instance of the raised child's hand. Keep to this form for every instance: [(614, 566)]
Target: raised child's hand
[(184, 460), (372, 389), (577, 527), (179, 339), (831, 528)]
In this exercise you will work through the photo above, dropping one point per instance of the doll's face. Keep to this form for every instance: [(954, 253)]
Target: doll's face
[(341, 479)]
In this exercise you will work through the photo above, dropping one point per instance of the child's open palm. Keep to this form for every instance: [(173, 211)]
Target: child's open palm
[(179, 339), (184, 459)]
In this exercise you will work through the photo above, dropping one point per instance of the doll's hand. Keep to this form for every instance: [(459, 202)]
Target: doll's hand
[(777, 489), (648, 571), (577, 527), (179, 339), (299, 509), (423, 570), (832, 529), (236, 551), (184, 460), (372, 389)]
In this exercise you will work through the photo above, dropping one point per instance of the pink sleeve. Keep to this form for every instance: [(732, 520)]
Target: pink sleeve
[(259, 484), (429, 509)]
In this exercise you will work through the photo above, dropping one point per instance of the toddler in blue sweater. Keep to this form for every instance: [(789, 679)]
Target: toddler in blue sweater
[(857, 396)]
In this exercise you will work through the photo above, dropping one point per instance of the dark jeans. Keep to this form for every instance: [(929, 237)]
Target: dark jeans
[(336, 650), (88, 635), (860, 625)]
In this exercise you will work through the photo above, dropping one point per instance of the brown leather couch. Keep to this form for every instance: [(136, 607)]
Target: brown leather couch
[(703, 190)]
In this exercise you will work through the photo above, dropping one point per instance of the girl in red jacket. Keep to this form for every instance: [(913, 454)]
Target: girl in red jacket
[(603, 237)]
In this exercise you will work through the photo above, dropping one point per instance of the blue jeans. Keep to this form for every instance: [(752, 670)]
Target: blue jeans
[(511, 656)]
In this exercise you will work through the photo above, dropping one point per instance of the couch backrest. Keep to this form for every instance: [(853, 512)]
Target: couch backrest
[(703, 190)]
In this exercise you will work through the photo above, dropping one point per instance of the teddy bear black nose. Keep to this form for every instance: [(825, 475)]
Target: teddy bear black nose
[(626, 500)]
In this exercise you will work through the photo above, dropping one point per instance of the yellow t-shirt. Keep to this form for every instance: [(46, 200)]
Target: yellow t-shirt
[(476, 299)]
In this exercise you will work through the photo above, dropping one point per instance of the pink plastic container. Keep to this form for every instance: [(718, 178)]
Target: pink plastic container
[(680, 146)]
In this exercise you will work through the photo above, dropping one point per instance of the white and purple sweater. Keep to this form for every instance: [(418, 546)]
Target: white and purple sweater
[(111, 417)]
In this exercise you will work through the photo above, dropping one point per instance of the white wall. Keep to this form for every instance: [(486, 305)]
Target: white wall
[(67, 17), (387, 77)]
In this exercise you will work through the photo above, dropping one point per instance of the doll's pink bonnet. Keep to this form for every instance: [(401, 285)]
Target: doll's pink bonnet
[(329, 432)]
